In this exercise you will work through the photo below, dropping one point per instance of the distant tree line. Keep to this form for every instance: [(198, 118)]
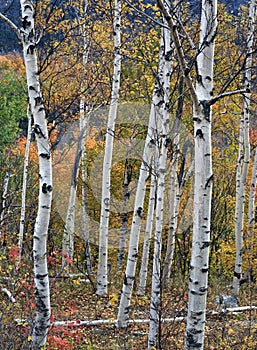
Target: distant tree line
[(8, 40)]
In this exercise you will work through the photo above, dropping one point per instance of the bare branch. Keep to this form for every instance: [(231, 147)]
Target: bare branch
[(180, 53), (11, 25), (225, 94), (145, 15), (190, 41)]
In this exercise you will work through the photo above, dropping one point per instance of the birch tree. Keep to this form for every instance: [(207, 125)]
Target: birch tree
[(175, 190), (42, 292), (148, 233), (83, 126), (202, 100), (124, 215), (199, 265), (68, 236), (165, 141), (27, 36), (150, 143), (243, 156), (3, 204), (252, 194), (107, 163)]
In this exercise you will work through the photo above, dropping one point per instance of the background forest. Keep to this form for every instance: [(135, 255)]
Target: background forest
[(98, 174)]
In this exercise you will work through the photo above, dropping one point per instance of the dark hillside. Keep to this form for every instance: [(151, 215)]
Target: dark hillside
[(11, 8), (8, 40), (232, 5)]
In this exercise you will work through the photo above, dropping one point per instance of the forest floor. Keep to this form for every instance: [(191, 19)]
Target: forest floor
[(74, 301)]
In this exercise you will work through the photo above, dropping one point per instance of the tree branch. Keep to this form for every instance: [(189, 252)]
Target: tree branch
[(180, 53), (146, 15), (11, 25), (90, 323), (225, 94)]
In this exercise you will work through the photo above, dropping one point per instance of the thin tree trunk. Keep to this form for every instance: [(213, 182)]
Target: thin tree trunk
[(124, 214), (199, 264), (68, 234), (150, 142), (202, 101), (24, 184), (83, 126), (174, 188), (243, 157), (252, 194), (3, 209), (148, 234), (107, 163), (41, 278), (84, 113), (155, 312)]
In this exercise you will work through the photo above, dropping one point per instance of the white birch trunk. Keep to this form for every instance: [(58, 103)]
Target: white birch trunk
[(147, 236), (3, 209), (124, 214), (24, 184), (150, 142), (174, 188), (41, 279), (154, 328), (107, 163), (68, 234), (252, 194), (244, 155), (199, 265), (83, 126), (84, 112), (173, 221), (202, 101)]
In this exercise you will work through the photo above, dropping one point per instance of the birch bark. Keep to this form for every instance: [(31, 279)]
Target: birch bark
[(154, 328), (3, 209), (84, 114), (243, 156), (42, 293), (150, 143), (252, 194), (107, 163), (175, 191), (199, 265), (24, 184), (83, 126), (124, 214), (68, 235), (148, 234)]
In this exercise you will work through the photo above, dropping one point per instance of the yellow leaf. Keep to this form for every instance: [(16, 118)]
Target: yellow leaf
[(230, 331)]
